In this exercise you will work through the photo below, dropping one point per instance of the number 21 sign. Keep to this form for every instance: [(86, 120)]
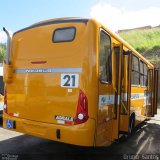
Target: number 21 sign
[(69, 80)]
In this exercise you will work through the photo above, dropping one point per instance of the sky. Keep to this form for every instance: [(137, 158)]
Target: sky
[(114, 14)]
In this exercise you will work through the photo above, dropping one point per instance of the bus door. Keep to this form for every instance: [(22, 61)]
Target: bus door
[(117, 78), (122, 90), (148, 94), (155, 91), (125, 92), (105, 92)]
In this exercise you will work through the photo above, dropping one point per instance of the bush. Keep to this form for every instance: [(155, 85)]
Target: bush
[(2, 52)]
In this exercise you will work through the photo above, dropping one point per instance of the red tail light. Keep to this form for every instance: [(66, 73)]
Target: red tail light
[(82, 109), (5, 100)]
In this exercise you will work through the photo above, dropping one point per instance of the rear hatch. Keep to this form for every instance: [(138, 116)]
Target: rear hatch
[(48, 62)]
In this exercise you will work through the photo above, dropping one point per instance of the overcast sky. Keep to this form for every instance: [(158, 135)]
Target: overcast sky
[(115, 14)]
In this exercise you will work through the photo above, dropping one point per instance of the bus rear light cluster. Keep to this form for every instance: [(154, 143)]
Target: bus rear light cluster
[(82, 109)]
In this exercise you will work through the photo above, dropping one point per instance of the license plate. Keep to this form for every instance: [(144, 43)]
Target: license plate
[(9, 124)]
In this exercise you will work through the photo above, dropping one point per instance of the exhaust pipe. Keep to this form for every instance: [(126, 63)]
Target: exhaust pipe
[(8, 45)]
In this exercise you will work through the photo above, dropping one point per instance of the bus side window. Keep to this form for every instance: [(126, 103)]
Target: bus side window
[(141, 73), (105, 64), (1, 85), (135, 71), (145, 75)]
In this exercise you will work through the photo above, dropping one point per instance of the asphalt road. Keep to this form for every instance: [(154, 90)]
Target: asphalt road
[(143, 144)]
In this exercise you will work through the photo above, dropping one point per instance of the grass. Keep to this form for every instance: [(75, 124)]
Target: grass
[(146, 40)]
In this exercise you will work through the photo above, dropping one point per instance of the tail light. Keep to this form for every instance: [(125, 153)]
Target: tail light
[(5, 100), (82, 109)]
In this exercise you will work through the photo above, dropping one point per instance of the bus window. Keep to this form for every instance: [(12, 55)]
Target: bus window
[(141, 73), (105, 70), (145, 75), (1, 85), (135, 70), (64, 34)]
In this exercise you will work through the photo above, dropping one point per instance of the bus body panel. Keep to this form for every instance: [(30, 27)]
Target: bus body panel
[(36, 95), (105, 116), (138, 103)]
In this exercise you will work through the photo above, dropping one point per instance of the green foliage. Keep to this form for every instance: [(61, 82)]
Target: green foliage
[(146, 42), (143, 40), (2, 52)]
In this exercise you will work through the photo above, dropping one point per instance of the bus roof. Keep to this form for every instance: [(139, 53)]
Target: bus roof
[(54, 21)]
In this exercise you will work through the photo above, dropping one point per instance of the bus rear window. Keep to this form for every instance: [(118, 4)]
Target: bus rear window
[(64, 34)]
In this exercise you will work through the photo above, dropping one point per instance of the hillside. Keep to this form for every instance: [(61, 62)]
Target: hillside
[(145, 41)]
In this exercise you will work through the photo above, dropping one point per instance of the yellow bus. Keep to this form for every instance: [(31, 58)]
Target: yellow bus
[(72, 80)]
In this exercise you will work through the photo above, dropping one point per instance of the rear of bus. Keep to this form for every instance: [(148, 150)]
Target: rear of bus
[(49, 93)]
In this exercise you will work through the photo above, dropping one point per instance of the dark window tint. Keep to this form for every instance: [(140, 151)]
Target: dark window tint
[(64, 35), (135, 70), (135, 63), (1, 85), (135, 78), (141, 73), (105, 68), (145, 69), (145, 75)]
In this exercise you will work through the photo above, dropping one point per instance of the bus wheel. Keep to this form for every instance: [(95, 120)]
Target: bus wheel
[(131, 124)]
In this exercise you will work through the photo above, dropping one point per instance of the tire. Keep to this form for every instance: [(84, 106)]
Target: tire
[(131, 124)]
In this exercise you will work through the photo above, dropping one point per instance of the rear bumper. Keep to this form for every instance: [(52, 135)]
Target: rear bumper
[(82, 134)]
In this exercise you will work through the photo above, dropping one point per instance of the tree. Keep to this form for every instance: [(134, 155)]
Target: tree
[(2, 52)]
